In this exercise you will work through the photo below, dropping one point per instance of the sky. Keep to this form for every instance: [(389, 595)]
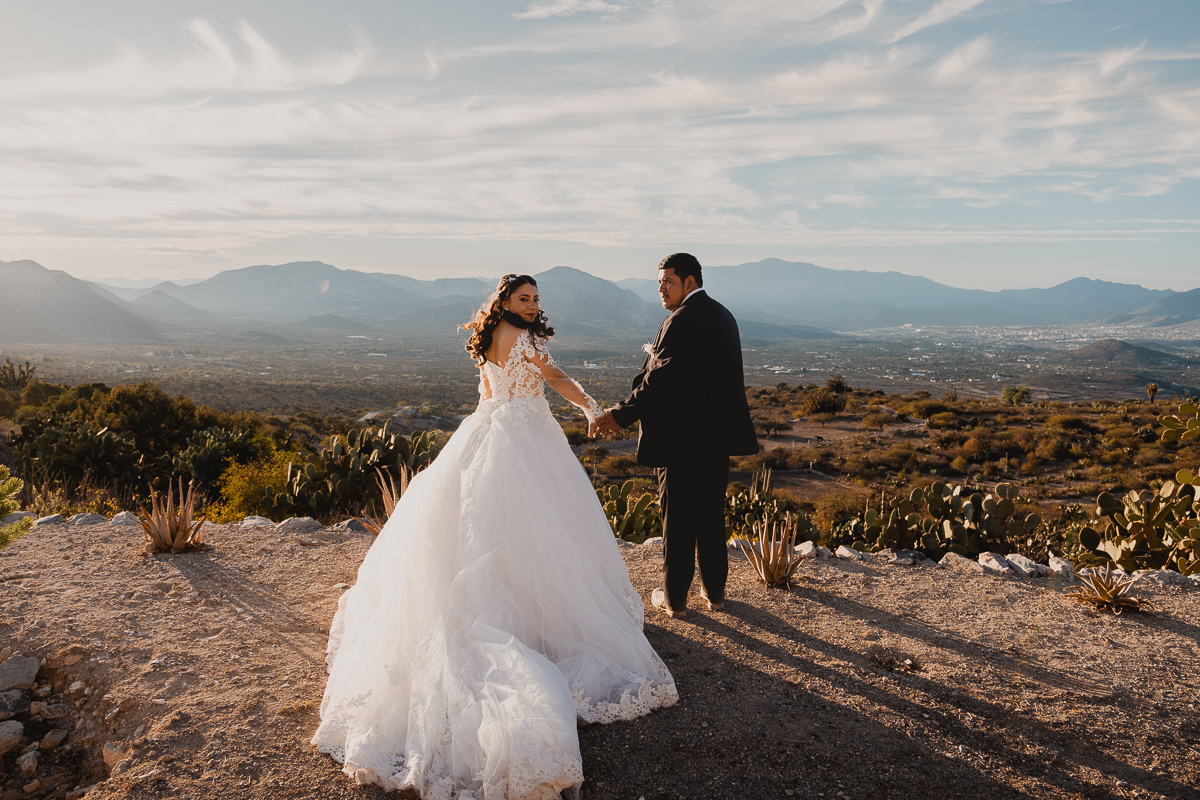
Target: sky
[(981, 143)]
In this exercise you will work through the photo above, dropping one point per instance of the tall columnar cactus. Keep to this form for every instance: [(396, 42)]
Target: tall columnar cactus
[(1150, 529), (634, 520)]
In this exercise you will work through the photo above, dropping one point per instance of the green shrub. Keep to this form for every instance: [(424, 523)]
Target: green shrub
[(1069, 424), (822, 400), (8, 404), (253, 489), (10, 487), (1053, 450), (1015, 395), (945, 420), (924, 409)]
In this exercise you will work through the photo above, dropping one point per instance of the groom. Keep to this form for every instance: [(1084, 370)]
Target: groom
[(690, 399)]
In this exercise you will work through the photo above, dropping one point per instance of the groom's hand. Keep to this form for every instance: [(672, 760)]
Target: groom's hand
[(604, 425)]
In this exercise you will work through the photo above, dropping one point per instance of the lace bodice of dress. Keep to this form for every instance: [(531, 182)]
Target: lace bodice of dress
[(520, 376)]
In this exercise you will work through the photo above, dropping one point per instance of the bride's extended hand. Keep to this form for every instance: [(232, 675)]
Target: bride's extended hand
[(604, 425)]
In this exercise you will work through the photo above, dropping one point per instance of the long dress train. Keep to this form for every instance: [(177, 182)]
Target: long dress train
[(493, 610)]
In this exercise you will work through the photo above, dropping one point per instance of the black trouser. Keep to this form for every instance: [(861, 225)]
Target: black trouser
[(691, 495)]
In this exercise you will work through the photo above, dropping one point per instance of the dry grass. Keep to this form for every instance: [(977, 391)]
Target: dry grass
[(391, 495)]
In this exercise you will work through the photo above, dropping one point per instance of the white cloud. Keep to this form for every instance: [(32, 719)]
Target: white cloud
[(565, 8), (215, 67), (939, 13), (756, 136), (848, 25), (963, 58)]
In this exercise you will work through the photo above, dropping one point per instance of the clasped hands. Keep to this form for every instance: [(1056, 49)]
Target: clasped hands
[(603, 425)]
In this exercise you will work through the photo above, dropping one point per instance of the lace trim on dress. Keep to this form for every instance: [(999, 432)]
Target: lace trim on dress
[(635, 702)]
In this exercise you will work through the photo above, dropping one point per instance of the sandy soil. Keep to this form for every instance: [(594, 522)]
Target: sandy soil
[(202, 673)]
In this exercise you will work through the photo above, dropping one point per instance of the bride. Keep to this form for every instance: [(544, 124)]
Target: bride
[(494, 609)]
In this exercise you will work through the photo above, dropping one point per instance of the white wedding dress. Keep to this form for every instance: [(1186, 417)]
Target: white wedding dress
[(493, 610)]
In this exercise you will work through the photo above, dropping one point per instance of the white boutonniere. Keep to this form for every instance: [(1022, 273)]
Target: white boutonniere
[(648, 349)]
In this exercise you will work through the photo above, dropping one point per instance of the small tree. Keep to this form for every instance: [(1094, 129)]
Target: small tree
[(876, 420), (837, 383), (773, 427), (1151, 390), (822, 401), (1015, 395)]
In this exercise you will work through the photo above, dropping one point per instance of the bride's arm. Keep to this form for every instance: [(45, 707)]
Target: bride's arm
[(485, 388), (563, 383)]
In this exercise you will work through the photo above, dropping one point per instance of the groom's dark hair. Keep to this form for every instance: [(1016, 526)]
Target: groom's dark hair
[(683, 264)]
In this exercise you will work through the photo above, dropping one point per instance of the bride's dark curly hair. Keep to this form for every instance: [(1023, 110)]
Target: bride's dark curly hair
[(484, 323)]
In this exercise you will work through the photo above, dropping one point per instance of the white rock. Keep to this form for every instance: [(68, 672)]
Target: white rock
[(28, 763), (125, 518), (1164, 577), (112, 753), (955, 561), (352, 524), (254, 522), (849, 552), (299, 525), (996, 562), (813, 550), (1060, 566), (77, 686), (657, 540), (53, 519), (624, 545), (88, 519), (1027, 567), (19, 672), (11, 733), (16, 517)]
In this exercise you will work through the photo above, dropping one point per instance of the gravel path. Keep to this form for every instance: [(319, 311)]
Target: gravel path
[(202, 672)]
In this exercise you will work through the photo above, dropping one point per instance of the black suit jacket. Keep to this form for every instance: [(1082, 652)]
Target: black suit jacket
[(690, 395)]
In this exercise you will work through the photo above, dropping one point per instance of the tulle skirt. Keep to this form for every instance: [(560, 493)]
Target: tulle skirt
[(493, 610)]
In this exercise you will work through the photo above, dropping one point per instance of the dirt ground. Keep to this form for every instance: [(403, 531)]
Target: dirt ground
[(202, 672)]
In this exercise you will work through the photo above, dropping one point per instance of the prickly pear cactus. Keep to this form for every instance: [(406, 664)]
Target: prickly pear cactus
[(341, 477), (1184, 426), (77, 450), (632, 519), (1150, 529), (942, 518)]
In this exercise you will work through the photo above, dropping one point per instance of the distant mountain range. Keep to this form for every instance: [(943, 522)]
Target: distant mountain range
[(772, 299)]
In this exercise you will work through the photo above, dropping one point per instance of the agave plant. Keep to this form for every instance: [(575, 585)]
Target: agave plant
[(774, 555), (391, 496), (169, 527), (1106, 592)]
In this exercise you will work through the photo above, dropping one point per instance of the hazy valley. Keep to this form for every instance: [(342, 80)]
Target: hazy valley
[(310, 336)]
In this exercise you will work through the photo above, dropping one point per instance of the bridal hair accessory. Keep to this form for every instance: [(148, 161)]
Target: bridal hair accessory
[(648, 349)]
